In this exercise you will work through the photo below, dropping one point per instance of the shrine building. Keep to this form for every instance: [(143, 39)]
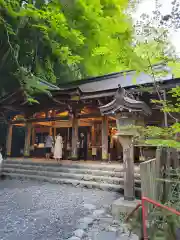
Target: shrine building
[(95, 106)]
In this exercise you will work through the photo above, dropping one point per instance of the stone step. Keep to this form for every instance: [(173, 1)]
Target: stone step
[(74, 182), (85, 176), (101, 176), (103, 166), (65, 169)]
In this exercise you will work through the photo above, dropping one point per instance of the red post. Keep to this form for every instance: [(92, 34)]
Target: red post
[(161, 206), (144, 219), (144, 213)]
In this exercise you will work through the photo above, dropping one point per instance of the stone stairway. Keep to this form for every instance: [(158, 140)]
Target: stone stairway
[(100, 176)]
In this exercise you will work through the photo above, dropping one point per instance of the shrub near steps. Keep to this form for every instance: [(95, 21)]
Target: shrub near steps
[(85, 175)]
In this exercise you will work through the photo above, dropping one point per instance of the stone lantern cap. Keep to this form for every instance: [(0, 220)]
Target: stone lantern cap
[(122, 102)]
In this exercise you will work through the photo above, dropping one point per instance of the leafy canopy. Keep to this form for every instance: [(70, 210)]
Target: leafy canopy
[(152, 44), (59, 41)]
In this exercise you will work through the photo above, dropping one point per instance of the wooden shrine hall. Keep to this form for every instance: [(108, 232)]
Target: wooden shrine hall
[(97, 106)]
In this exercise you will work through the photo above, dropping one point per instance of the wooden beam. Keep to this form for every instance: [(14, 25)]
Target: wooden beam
[(94, 115), (90, 115), (41, 120), (99, 95)]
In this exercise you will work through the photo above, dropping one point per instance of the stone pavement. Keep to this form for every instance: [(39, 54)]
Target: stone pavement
[(100, 225), (32, 210)]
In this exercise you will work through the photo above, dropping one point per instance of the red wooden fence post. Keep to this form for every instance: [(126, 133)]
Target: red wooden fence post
[(144, 219)]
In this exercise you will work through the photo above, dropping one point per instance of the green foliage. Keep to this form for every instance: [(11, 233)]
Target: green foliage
[(173, 105), (162, 224), (59, 41), (153, 46), (107, 33), (33, 44), (167, 137), (163, 143), (175, 66), (156, 136)]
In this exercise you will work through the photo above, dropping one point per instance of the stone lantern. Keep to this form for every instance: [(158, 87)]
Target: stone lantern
[(129, 113), (126, 132)]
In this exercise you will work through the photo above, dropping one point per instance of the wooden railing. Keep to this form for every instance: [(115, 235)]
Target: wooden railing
[(155, 171), (150, 186)]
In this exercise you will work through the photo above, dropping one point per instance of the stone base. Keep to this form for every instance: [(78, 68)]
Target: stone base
[(123, 206)]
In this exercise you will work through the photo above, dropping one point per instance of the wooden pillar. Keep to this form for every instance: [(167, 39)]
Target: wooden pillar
[(54, 124), (9, 140), (27, 139), (54, 132), (74, 153), (88, 139), (33, 136), (68, 134), (104, 138), (50, 131), (93, 135)]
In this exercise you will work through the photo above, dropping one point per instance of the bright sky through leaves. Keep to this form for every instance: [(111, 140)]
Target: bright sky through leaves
[(148, 6)]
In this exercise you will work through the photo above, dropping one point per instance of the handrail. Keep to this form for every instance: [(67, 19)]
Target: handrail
[(145, 213)]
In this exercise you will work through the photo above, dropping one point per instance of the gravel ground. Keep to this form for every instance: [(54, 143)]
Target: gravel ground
[(37, 210)]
